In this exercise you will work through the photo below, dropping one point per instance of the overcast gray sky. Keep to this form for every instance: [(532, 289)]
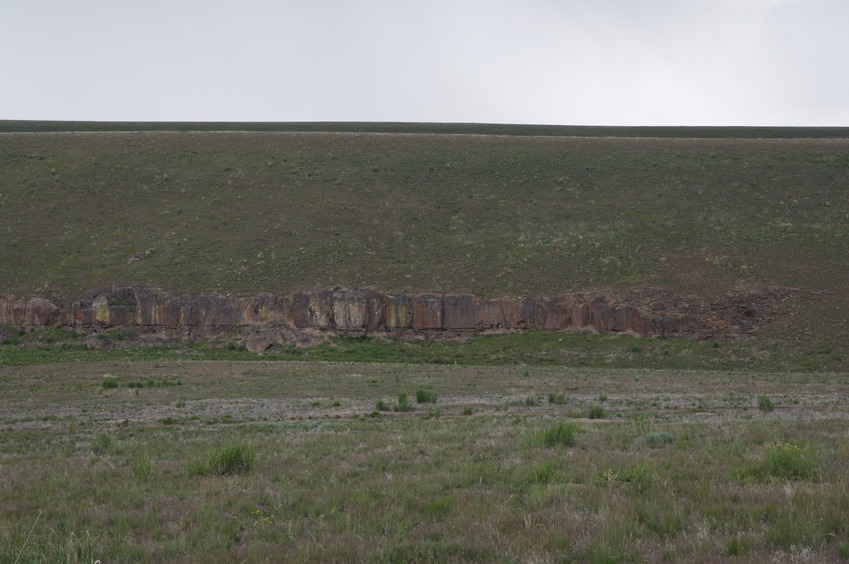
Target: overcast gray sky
[(604, 62)]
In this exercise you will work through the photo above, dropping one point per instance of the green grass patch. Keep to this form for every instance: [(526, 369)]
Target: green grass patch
[(596, 412), (556, 399), (425, 396), (236, 458), (782, 461), (561, 434), (403, 404)]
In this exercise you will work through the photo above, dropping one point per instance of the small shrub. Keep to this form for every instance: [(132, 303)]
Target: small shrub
[(642, 423), (103, 444), (403, 403), (234, 459), (468, 410), (561, 434), (180, 404), (602, 398), (789, 461), (782, 461), (596, 412), (109, 384), (425, 396), (765, 404), (556, 399), (382, 406), (530, 401), (135, 385)]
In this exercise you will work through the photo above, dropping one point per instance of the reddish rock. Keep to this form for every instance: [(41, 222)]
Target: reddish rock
[(350, 311), (460, 312), (601, 314), (399, 312), (299, 310), (168, 313), (427, 311), (13, 311), (558, 313), (532, 313), (580, 315), (41, 312), (492, 315), (367, 311), (257, 310), (622, 318), (640, 322), (665, 326), (146, 302), (320, 309), (208, 310), (376, 311)]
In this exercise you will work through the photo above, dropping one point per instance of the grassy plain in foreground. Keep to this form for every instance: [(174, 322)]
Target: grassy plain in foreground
[(684, 464)]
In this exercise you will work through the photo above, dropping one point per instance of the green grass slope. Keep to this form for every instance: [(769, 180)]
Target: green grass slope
[(282, 211)]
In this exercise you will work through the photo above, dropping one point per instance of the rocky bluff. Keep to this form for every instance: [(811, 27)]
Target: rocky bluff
[(304, 317)]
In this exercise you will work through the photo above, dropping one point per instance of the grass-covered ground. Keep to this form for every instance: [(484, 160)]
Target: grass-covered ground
[(266, 461), (587, 350), (250, 212), (538, 447)]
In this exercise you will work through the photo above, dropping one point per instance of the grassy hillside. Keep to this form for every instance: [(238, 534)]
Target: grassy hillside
[(492, 215), (248, 212)]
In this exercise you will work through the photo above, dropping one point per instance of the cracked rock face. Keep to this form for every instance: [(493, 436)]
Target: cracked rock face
[(298, 318)]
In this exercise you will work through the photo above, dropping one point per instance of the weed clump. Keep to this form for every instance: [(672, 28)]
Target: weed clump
[(560, 434), (103, 444), (596, 412), (556, 399), (425, 396), (234, 459), (403, 403), (765, 404), (782, 461)]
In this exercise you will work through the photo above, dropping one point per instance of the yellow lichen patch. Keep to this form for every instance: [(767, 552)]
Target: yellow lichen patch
[(101, 309)]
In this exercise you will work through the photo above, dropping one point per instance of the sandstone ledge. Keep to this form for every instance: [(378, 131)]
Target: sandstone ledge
[(300, 317)]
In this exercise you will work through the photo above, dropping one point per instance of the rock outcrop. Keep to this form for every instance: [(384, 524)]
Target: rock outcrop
[(300, 317)]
